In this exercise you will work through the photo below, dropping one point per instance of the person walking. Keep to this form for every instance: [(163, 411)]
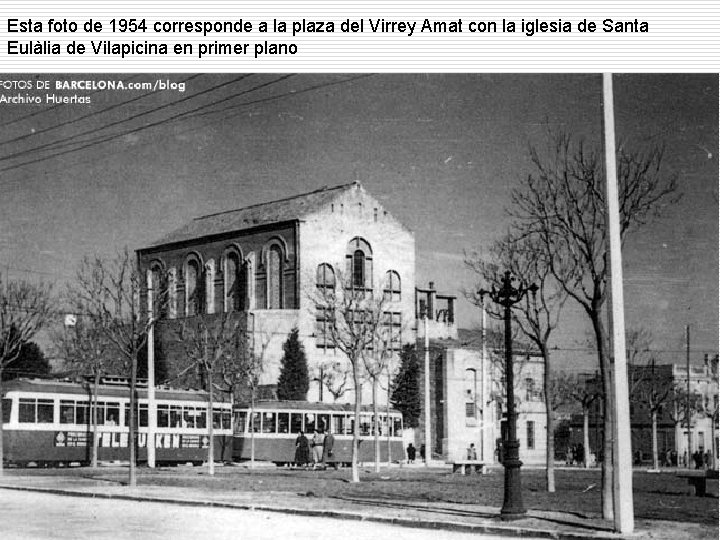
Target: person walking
[(411, 451), (302, 451)]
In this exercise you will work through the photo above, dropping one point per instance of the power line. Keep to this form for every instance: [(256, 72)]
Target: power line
[(67, 140), (83, 117)]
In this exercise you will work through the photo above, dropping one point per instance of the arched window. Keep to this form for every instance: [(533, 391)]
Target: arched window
[(470, 393), (158, 292), (193, 288), (274, 277), (392, 286), (325, 278), (234, 282), (359, 264)]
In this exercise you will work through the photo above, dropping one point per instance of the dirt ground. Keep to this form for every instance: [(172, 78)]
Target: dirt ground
[(661, 496)]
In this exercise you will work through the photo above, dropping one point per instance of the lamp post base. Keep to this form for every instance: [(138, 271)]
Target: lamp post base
[(513, 507)]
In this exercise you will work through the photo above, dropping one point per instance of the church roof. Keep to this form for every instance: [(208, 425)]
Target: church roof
[(290, 208)]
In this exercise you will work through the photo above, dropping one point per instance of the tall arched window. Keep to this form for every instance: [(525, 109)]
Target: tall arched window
[(325, 278), (193, 288), (391, 292), (470, 393), (274, 277), (157, 292), (234, 282), (359, 264)]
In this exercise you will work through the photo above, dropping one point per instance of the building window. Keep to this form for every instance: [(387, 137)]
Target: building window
[(325, 279), (158, 292), (530, 434), (470, 393), (392, 330), (193, 288), (234, 282), (359, 264), (323, 335), (391, 293), (274, 277)]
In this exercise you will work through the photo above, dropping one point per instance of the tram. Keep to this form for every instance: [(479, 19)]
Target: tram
[(48, 422), (273, 426)]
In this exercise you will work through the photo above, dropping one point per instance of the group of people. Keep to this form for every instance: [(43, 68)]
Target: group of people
[(317, 451)]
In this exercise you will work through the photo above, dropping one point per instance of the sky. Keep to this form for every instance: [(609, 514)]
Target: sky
[(441, 152)]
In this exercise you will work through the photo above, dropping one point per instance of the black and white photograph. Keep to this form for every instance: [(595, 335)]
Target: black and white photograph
[(418, 305)]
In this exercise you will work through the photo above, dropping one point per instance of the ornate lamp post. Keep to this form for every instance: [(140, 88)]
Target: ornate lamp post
[(507, 296)]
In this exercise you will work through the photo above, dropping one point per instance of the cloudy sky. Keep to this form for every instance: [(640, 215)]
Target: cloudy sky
[(441, 152)]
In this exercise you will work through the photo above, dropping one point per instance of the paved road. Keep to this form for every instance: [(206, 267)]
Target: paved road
[(25, 515)]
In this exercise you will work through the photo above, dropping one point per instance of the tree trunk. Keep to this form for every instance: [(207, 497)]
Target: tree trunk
[(586, 436), (376, 425), (211, 427), (356, 428), (132, 439), (390, 425), (550, 427), (2, 431), (252, 428), (607, 444), (653, 415), (93, 413)]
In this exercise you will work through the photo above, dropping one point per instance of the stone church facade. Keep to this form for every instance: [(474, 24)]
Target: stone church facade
[(266, 261)]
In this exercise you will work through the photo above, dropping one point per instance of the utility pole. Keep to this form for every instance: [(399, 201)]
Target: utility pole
[(687, 399), (623, 512), (507, 296), (152, 412), (427, 391), (483, 398)]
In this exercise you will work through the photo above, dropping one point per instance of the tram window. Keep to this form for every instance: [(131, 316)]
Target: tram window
[(217, 418), (397, 427), (240, 420), (82, 413), (365, 425), (283, 422), (349, 426), (309, 422), (27, 411), (256, 418), (45, 411), (338, 423), (112, 414), (175, 416), (226, 419), (163, 416), (200, 418), (296, 422), (67, 412), (6, 408), (323, 421), (269, 422), (143, 415), (100, 413)]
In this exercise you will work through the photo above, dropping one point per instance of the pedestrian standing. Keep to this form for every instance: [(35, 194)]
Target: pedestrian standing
[(302, 450), (328, 457), (317, 448), (411, 451)]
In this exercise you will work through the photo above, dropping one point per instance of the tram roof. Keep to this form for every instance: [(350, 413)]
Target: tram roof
[(56, 386), (308, 406)]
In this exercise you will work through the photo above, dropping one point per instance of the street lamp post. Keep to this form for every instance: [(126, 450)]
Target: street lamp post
[(507, 296)]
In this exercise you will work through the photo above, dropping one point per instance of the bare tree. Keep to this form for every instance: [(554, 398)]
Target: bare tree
[(351, 317), (25, 308), (110, 292), (536, 315), (333, 375), (376, 362), (209, 341), (84, 349), (562, 204)]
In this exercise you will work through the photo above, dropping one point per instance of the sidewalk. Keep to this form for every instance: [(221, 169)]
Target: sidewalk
[(440, 516)]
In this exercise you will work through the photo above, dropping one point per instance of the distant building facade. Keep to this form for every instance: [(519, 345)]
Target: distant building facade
[(266, 261)]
